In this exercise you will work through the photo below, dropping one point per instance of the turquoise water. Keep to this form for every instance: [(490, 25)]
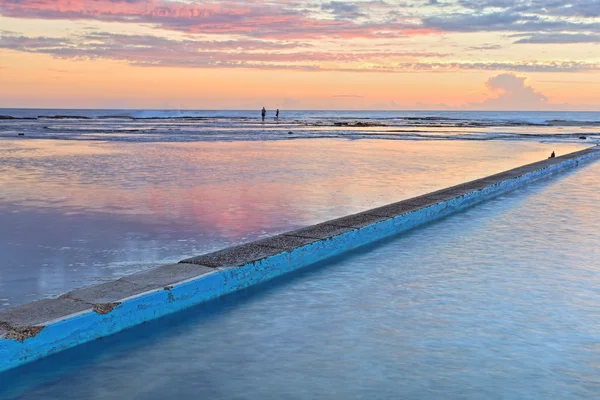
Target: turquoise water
[(500, 301)]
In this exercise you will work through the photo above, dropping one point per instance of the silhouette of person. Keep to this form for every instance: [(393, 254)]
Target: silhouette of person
[(552, 155), (277, 114), (264, 114)]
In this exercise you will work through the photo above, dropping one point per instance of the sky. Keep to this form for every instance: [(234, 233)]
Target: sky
[(293, 54)]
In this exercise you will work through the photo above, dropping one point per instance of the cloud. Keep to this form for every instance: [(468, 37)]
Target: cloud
[(330, 19), (547, 66), (486, 47), (147, 50), (305, 35), (256, 18), (343, 10), (511, 93), (556, 8), (558, 38), (505, 21), (520, 16)]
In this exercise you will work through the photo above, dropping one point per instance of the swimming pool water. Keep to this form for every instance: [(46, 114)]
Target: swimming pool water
[(499, 302), (77, 213)]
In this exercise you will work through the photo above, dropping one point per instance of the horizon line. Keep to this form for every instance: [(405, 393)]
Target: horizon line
[(295, 110)]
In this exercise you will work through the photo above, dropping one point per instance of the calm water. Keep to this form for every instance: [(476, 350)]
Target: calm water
[(499, 302), (75, 213)]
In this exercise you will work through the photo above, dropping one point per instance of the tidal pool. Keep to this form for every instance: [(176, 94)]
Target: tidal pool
[(498, 302), (76, 213)]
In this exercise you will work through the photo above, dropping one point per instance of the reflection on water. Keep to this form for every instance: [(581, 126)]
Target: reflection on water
[(498, 302), (75, 213)]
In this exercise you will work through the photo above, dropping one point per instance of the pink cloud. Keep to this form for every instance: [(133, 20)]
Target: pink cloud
[(512, 92), (146, 50), (252, 18)]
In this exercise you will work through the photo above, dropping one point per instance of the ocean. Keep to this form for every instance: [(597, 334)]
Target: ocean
[(189, 125)]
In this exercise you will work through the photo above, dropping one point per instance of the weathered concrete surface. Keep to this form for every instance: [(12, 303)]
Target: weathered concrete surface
[(395, 209), (166, 276), (41, 312), (286, 242), (109, 292), (235, 256), (250, 252), (320, 231), (45, 327), (132, 285), (359, 220)]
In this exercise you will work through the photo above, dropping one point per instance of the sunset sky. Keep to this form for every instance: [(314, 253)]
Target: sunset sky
[(293, 54)]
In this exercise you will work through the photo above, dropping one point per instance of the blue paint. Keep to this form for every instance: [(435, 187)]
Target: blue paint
[(87, 326)]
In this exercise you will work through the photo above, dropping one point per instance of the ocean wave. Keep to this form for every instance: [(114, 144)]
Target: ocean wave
[(190, 126), (63, 117), (351, 119), (10, 117), (560, 122), (126, 117)]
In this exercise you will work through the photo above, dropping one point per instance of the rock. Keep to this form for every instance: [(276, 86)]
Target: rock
[(21, 333), (290, 133), (21, 134), (582, 137), (104, 309)]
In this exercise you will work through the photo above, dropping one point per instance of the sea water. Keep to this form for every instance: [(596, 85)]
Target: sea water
[(189, 126), (498, 302)]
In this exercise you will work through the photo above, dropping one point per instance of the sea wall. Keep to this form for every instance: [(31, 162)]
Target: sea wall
[(41, 328)]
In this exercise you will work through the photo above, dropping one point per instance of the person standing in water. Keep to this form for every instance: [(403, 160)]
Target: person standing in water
[(264, 114), (277, 115)]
